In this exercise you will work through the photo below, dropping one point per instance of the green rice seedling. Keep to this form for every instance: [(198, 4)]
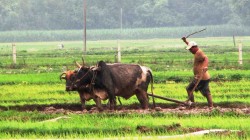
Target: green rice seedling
[(115, 125)]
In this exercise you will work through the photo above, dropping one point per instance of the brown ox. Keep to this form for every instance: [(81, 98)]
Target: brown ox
[(124, 80), (85, 94)]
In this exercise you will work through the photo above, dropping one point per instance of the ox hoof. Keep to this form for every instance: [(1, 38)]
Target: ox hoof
[(94, 108), (93, 111), (158, 109), (190, 103), (100, 109), (182, 108), (84, 111), (211, 108)]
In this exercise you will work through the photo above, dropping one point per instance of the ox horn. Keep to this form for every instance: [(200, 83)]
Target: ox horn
[(83, 63), (78, 65), (62, 77)]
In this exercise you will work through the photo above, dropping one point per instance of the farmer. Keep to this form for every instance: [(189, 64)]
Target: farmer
[(201, 75)]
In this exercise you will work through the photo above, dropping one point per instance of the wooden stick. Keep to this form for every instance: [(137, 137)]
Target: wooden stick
[(196, 84), (169, 99), (195, 32)]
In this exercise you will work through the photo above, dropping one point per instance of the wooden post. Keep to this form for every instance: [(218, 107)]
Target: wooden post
[(14, 52), (118, 52), (240, 54), (121, 19), (84, 30), (234, 41), (118, 41)]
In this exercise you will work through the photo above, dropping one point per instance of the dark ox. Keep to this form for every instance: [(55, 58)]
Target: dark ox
[(124, 80), (84, 93)]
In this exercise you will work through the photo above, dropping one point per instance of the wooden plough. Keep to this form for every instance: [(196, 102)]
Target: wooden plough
[(171, 100)]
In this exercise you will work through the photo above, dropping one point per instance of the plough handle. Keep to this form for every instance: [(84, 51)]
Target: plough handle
[(169, 99)]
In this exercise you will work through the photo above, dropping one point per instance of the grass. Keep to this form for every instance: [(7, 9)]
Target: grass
[(30, 124), (52, 77), (158, 54), (45, 94)]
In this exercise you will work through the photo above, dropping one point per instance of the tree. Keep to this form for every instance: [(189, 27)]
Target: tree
[(68, 14), (8, 14), (241, 11)]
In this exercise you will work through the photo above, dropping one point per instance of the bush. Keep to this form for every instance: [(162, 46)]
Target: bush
[(219, 77), (1, 65), (177, 79), (236, 77)]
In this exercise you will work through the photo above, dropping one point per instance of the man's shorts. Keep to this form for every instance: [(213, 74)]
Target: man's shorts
[(203, 86)]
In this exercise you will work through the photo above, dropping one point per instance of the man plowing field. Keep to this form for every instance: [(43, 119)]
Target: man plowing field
[(201, 76)]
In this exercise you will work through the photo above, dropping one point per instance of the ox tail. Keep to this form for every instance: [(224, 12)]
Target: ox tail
[(152, 86)]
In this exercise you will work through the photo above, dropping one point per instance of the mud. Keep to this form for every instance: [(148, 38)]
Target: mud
[(227, 133), (162, 108), (134, 108), (176, 127)]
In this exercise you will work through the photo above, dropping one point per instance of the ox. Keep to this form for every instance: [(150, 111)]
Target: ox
[(84, 93), (124, 80)]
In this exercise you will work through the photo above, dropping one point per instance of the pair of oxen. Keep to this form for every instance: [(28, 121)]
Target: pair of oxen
[(106, 81)]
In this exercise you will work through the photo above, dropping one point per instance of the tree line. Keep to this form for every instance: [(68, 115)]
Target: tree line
[(105, 14)]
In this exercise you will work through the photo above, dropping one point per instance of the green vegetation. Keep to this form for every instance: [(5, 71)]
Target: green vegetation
[(33, 84), (34, 125), (158, 54), (134, 34), (43, 93)]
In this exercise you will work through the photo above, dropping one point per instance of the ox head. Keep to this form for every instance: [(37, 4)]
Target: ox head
[(69, 76), (84, 76)]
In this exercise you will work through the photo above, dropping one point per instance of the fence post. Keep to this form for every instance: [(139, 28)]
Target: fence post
[(14, 53), (118, 41), (118, 52), (234, 41), (240, 54)]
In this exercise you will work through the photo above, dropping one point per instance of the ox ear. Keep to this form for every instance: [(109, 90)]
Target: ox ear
[(94, 68), (78, 65)]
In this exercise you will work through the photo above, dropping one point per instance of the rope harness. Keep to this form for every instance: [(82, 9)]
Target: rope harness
[(78, 80), (92, 82)]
